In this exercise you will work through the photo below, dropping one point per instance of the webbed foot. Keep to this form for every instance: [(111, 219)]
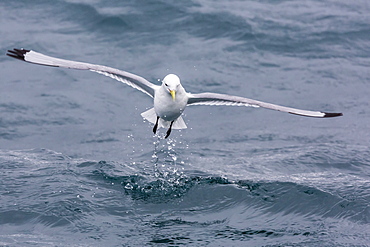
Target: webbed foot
[(156, 126), (169, 130)]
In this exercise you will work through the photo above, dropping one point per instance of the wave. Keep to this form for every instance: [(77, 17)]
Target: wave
[(55, 191), (152, 183)]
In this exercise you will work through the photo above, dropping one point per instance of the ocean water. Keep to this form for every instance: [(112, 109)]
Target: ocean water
[(80, 167)]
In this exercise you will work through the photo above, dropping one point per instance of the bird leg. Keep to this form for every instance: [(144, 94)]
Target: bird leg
[(169, 130), (156, 125)]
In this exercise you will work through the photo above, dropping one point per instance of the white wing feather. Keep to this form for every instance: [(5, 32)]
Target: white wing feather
[(223, 99), (149, 88), (132, 80)]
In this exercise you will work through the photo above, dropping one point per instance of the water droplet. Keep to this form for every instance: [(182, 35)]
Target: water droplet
[(128, 186)]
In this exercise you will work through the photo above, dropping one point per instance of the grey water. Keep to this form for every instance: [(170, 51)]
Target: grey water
[(80, 167)]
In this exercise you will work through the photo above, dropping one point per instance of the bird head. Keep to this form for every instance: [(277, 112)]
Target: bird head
[(171, 83)]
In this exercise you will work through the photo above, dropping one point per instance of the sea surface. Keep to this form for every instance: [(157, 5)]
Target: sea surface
[(80, 167)]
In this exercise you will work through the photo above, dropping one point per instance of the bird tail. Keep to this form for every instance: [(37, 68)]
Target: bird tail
[(151, 116)]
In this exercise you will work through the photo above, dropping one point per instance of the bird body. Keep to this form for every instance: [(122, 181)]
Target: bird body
[(170, 106), (170, 98)]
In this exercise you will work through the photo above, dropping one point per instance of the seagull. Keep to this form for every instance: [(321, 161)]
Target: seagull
[(170, 98)]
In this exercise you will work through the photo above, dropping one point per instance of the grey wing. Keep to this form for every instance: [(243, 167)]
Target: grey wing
[(223, 99), (130, 79)]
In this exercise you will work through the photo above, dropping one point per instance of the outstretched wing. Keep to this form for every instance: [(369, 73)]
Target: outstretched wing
[(130, 79), (223, 99)]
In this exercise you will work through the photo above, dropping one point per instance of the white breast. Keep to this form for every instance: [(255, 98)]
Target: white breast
[(165, 107)]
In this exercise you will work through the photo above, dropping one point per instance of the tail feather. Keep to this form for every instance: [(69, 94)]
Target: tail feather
[(179, 124), (151, 116)]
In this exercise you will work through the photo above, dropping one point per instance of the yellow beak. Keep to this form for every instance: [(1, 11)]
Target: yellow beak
[(173, 94)]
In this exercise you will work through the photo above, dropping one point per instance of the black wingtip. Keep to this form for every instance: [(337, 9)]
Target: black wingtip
[(17, 53), (333, 114)]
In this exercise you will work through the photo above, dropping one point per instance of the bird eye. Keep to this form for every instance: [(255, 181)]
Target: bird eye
[(166, 84)]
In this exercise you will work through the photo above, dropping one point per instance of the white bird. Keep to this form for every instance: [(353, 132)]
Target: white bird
[(170, 99)]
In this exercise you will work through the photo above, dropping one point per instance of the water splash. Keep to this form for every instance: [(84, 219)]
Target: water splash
[(165, 158), (167, 179)]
